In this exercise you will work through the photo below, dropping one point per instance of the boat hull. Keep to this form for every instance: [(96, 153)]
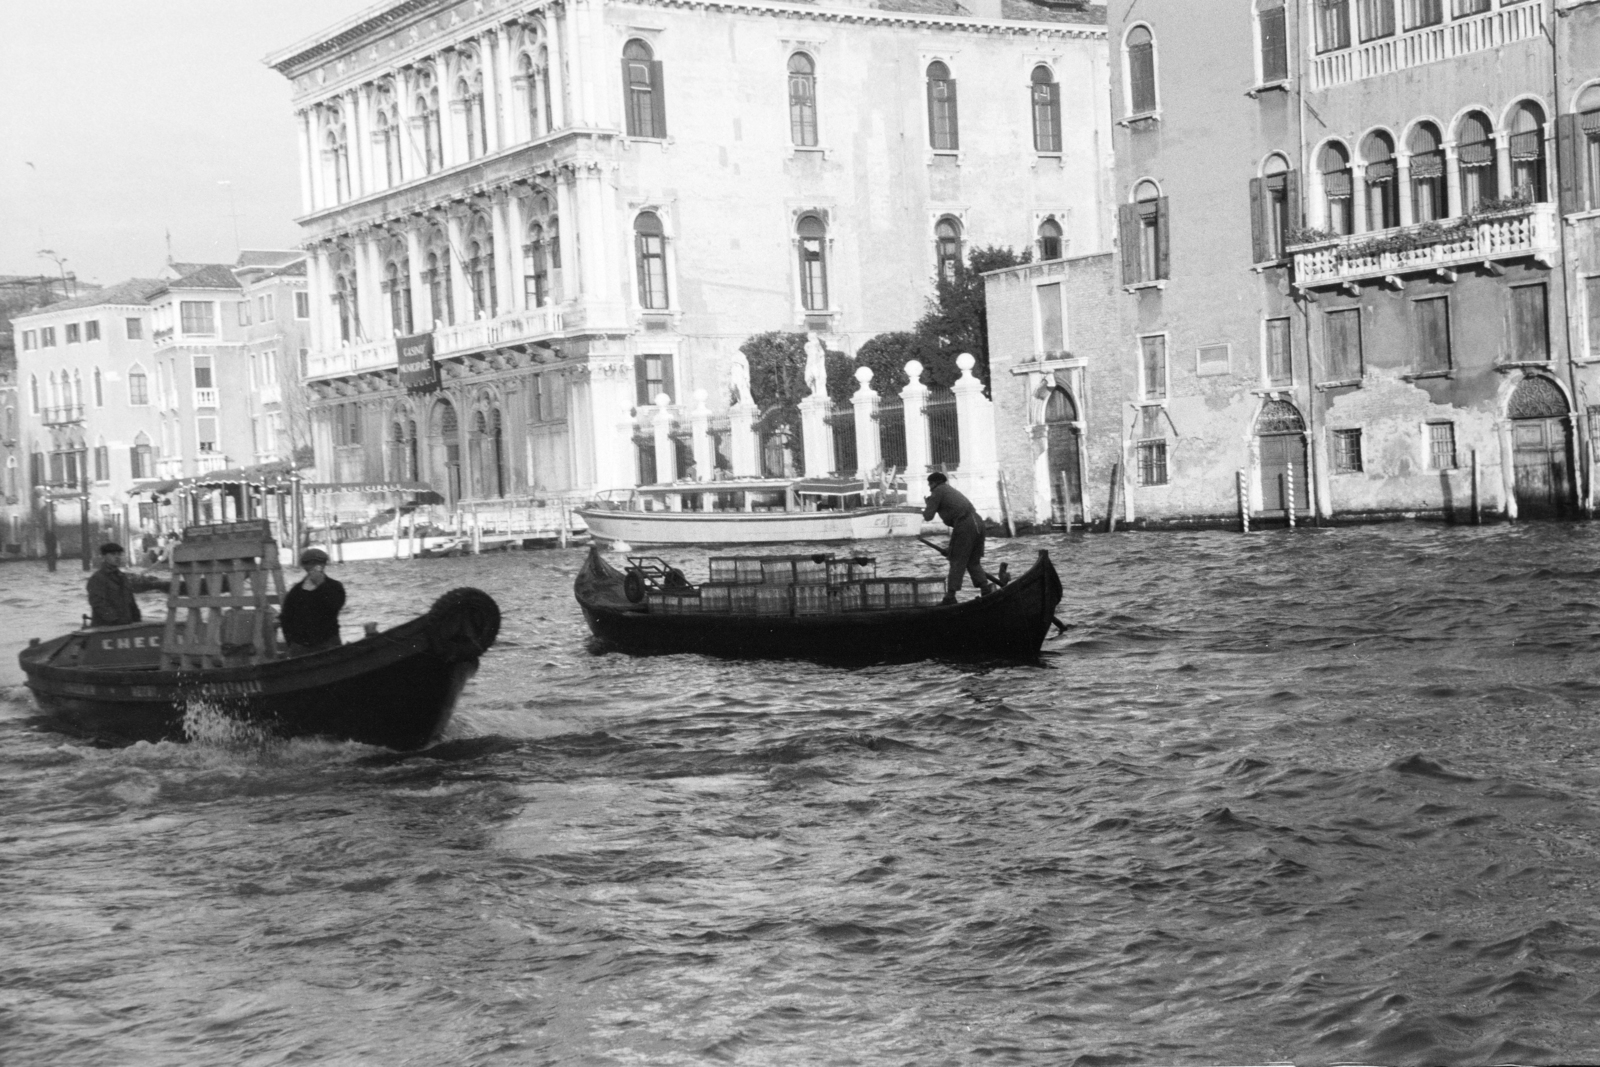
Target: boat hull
[(396, 689), (1011, 624), (740, 527)]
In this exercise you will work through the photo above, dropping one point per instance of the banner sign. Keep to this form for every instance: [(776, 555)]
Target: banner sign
[(418, 372)]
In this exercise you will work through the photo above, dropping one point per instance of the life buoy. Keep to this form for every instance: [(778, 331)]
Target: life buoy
[(462, 624), (633, 585)]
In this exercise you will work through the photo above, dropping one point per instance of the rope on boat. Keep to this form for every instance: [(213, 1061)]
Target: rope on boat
[(462, 624)]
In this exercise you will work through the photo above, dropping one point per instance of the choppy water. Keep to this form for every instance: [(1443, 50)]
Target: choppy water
[(1320, 796)]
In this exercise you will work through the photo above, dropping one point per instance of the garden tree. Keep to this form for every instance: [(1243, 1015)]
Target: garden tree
[(957, 320), (888, 353), (778, 376)]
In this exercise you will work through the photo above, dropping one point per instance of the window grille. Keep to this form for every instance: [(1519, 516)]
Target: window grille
[(1347, 451), (1441, 446), (1152, 457)]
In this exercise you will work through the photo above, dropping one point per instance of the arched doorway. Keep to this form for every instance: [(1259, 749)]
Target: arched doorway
[(1062, 458), (1281, 434), (487, 455), (1541, 449), (446, 435)]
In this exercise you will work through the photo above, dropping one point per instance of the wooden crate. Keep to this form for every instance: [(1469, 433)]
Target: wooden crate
[(222, 606)]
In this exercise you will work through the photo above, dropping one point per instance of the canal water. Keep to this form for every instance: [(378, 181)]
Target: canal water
[(1310, 796)]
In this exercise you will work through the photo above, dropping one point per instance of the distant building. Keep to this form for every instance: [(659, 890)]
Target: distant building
[(277, 334), (583, 207)]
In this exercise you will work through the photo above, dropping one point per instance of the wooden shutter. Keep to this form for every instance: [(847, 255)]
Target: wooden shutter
[(1128, 241), (667, 384), (1530, 324), (133, 463), (1055, 116), (1291, 194), (1260, 220), (627, 101), (1569, 164), (658, 99), (955, 131), (641, 383), (1433, 333), (1274, 46), (1163, 239), (933, 114)]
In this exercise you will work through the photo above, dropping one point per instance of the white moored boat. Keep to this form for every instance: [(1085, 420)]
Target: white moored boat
[(751, 511)]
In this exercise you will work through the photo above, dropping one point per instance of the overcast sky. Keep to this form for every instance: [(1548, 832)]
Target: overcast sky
[(119, 119)]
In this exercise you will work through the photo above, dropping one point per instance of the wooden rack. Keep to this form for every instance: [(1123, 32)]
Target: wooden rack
[(221, 604)]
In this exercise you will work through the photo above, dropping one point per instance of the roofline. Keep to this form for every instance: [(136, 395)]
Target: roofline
[(342, 33)]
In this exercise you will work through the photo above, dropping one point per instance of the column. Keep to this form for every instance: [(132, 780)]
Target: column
[(412, 160), (1452, 179), (577, 39), (361, 139), (593, 258), (1358, 199), (505, 246), (743, 447), (422, 314), (318, 162), (517, 232), (1502, 164), (980, 466), (1402, 176), (705, 460), (816, 435), (449, 119), (914, 395), (666, 454), (571, 279), (370, 286), (303, 142), (460, 290), (321, 285), (868, 458)]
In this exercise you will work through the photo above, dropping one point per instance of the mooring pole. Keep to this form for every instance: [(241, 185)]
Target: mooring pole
[(1288, 502), (1244, 505), (1477, 513)]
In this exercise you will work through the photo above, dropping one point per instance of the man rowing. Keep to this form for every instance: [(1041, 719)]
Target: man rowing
[(966, 536)]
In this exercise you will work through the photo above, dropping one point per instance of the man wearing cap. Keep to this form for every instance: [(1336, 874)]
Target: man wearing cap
[(111, 600), (309, 616), (966, 535)]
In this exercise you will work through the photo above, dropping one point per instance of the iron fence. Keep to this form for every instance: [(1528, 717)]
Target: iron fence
[(891, 416), (842, 420), (944, 430), (782, 452)]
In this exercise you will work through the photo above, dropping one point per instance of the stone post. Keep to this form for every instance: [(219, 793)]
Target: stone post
[(742, 443), (1402, 177), (1452, 180), (816, 436), (699, 421), (914, 395), (1502, 164), (867, 452), (980, 469), (666, 454)]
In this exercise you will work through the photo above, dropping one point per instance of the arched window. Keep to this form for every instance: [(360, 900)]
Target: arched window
[(480, 270), (1383, 192), (1475, 157), (428, 117), (537, 126), (650, 247), (344, 299), (33, 393), (1142, 235), (441, 293), (469, 94), (142, 459), (99, 389), (947, 242), (812, 235), (1140, 48), (1527, 153), (1049, 239), (1586, 134), (1046, 97), (802, 100), (336, 153), (642, 91), (943, 131), (1275, 197), (138, 387), (1336, 191), (537, 280), (1428, 198), (397, 280)]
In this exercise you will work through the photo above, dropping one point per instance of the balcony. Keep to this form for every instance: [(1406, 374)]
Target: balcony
[(513, 327), (162, 337), (271, 393), (1431, 44), (61, 416), (169, 468), (206, 462), (1428, 246), (205, 398)]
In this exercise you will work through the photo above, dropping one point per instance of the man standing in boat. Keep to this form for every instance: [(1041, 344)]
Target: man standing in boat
[(966, 535), (111, 600), (309, 616)]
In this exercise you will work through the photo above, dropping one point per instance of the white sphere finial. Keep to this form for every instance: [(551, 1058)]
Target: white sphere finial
[(914, 370), (863, 375), (966, 362), (700, 396), (662, 400)]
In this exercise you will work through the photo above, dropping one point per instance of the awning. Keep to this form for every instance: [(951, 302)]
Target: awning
[(262, 475), (366, 487), (832, 487)]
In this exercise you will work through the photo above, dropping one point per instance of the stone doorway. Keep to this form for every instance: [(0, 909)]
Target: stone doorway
[(1541, 450), (1064, 445), (1281, 436)]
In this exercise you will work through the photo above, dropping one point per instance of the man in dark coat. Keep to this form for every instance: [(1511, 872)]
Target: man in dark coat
[(309, 616), (111, 600), (966, 535)]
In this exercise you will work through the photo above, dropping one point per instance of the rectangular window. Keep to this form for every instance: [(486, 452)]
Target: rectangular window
[(243, 309), (199, 317), (1153, 368), (202, 372), (1433, 334), (91, 330), (1591, 292), (1376, 18), (1464, 8), (102, 464), (302, 305), (1423, 13), (1347, 451), (138, 388), (1530, 329), (1333, 25), (1213, 359), (1052, 331), (1441, 446), (135, 328), (1279, 353), (1152, 463), (1342, 331), (1274, 44), (47, 337), (206, 432), (653, 375), (74, 335), (30, 340)]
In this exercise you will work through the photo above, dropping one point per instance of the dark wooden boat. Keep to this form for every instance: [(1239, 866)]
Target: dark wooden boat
[(215, 662), (395, 688), (1009, 624)]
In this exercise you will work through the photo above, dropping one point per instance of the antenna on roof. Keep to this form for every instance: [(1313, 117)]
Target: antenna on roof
[(169, 246)]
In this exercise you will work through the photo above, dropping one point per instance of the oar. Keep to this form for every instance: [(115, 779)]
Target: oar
[(1002, 581)]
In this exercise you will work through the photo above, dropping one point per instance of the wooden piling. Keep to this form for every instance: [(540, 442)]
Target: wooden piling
[(1244, 504), (1288, 499), (1477, 512), (1005, 506), (1116, 497)]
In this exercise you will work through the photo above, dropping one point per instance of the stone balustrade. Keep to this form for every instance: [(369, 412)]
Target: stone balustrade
[(1430, 44), (512, 327), (1528, 231)]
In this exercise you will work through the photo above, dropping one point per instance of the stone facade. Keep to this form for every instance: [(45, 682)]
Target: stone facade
[(586, 206)]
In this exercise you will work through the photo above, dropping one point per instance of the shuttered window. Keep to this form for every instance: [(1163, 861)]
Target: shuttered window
[(1052, 332), (1333, 25), (1141, 71), (1274, 44), (1591, 308), (653, 377), (1046, 98), (1433, 334), (642, 91), (1342, 341), (1279, 353), (1153, 368), (1530, 329), (943, 130), (1441, 446), (1376, 18)]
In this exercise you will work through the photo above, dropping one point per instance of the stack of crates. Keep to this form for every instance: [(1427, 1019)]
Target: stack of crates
[(676, 602), (800, 585)]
